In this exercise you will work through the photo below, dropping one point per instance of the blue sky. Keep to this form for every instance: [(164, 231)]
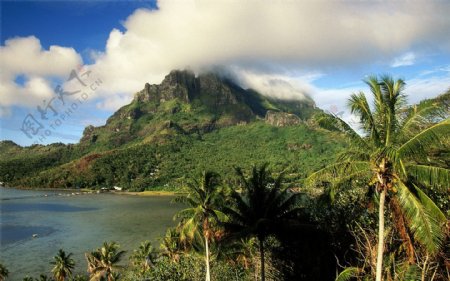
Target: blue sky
[(83, 25), (286, 49)]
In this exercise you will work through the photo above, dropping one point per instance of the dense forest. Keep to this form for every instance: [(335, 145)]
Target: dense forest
[(313, 200), (175, 130)]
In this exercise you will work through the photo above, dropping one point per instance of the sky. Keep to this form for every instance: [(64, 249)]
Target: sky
[(65, 65)]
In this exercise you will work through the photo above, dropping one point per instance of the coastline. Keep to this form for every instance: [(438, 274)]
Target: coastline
[(149, 193), (88, 190)]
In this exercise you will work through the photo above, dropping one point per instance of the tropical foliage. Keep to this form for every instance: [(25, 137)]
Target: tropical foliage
[(63, 265), (371, 201), (390, 158), (204, 199), (144, 257), (3, 272), (261, 209), (103, 262)]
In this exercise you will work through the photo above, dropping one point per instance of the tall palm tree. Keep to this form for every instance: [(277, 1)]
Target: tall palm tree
[(390, 156), (62, 265), (103, 262), (261, 207), (144, 256), (204, 199), (3, 272)]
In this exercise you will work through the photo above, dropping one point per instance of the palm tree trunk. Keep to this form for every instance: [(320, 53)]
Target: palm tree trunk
[(261, 251), (208, 277), (379, 272)]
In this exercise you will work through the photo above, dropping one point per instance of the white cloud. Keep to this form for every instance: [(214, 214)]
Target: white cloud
[(404, 60), (32, 93), (25, 57), (266, 38), (267, 42), (113, 103), (276, 85), (419, 89)]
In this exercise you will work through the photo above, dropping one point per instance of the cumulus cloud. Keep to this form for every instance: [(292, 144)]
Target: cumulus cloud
[(25, 57), (265, 42), (283, 34), (34, 91)]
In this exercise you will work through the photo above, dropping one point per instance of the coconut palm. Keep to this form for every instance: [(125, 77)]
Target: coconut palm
[(262, 207), (144, 256), (103, 262), (171, 246), (3, 272), (204, 198), (390, 156), (63, 265)]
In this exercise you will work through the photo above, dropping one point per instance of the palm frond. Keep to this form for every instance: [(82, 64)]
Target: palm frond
[(354, 154), (359, 106), (394, 99), (430, 175), (418, 117), (338, 170), (419, 143), (334, 123), (348, 273), (425, 219), (378, 99)]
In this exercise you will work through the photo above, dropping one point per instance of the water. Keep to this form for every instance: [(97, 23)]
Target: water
[(75, 223)]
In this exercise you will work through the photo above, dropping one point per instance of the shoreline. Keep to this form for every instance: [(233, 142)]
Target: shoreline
[(149, 193), (95, 191)]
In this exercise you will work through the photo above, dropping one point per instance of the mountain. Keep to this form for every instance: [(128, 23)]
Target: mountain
[(174, 130), (186, 104)]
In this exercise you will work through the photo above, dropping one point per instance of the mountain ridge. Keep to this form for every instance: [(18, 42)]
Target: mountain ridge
[(190, 104)]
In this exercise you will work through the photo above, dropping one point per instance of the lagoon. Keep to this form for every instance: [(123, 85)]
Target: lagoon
[(76, 223)]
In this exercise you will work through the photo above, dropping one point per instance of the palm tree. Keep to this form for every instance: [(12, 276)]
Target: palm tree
[(144, 256), (171, 245), (3, 272), (262, 207), (103, 262), (204, 198), (62, 265), (389, 155)]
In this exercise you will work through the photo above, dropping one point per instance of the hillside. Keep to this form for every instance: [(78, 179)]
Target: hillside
[(173, 130)]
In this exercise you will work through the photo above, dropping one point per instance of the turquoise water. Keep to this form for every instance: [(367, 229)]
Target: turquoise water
[(75, 223)]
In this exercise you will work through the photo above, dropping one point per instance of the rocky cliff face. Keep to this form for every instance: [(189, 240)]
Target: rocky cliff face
[(193, 104), (185, 86), (177, 84), (281, 119)]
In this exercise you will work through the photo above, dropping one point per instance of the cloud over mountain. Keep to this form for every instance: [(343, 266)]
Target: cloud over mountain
[(268, 41)]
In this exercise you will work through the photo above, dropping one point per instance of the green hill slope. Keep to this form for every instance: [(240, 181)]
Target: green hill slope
[(173, 130)]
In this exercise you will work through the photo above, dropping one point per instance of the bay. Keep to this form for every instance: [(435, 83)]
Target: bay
[(76, 223)]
